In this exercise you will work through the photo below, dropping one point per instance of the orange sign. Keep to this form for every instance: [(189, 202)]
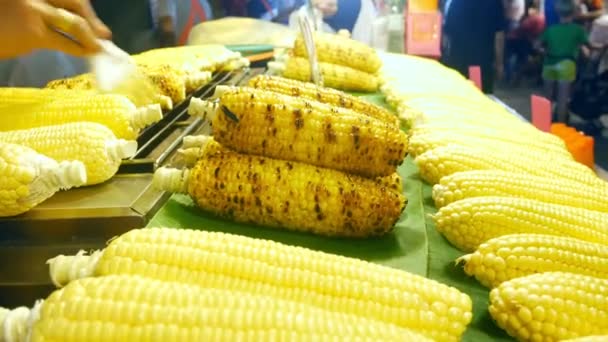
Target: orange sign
[(423, 33), (423, 5)]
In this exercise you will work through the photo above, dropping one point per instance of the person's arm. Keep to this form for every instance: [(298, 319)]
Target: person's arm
[(70, 26)]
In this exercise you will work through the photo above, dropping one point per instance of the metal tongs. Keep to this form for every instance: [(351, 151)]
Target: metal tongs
[(309, 42)]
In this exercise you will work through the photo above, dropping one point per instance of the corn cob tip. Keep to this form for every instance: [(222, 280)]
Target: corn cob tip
[(463, 260), (276, 68), (164, 101), (202, 109), (16, 324), (189, 156), (196, 141), (120, 149), (171, 180), (64, 269), (196, 80), (69, 174), (146, 115)]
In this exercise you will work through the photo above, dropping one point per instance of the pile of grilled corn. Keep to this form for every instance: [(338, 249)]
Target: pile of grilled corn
[(292, 155), (534, 220), (169, 284), (344, 63)]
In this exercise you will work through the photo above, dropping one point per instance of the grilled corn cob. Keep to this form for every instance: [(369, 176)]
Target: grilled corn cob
[(124, 308), (209, 57), (291, 195), (480, 183), (551, 306), (419, 143), (29, 178), (446, 160), (93, 144), (334, 76), (113, 111), (179, 83), (142, 94), (340, 50), (278, 126), (326, 95), (239, 263), (513, 256), (470, 222)]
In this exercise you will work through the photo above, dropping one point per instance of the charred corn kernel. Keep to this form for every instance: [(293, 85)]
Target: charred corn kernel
[(127, 308), (288, 195), (270, 124), (93, 144), (512, 256), (446, 160), (334, 76), (176, 83), (423, 142), (481, 183), (238, 263), (326, 95), (113, 111), (340, 50), (551, 306), (392, 182), (470, 222), (29, 178)]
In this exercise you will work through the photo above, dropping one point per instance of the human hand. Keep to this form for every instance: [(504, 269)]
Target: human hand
[(327, 7), (26, 25)]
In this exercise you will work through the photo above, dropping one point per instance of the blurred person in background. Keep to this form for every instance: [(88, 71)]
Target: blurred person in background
[(174, 19), (473, 35), (562, 43)]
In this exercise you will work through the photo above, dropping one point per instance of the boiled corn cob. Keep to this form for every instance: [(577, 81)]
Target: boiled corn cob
[(512, 256), (190, 155), (551, 306), (326, 95), (139, 91), (93, 144), (420, 143), (446, 160), (29, 178), (480, 183), (127, 308), (334, 76), (18, 96), (470, 222), (340, 50), (278, 126), (290, 195), (597, 338), (113, 111), (238, 263)]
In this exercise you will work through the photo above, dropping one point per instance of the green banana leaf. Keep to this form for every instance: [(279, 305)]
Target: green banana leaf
[(414, 245)]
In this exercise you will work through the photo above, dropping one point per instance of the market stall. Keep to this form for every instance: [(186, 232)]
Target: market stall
[(414, 245)]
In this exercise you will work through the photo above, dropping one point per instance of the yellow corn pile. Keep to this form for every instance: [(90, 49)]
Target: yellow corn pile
[(513, 256), (260, 122), (29, 178), (551, 306), (325, 95), (208, 57), (470, 222), (555, 190), (113, 111), (334, 75), (291, 195), (91, 143), (237, 263)]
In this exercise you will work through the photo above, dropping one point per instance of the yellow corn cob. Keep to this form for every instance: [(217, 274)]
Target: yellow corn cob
[(193, 152), (512, 256), (238, 263), (270, 124), (93, 144), (446, 160), (334, 76), (113, 111), (31, 96), (289, 195), (210, 57), (192, 80), (321, 94), (468, 184), (340, 50), (470, 222), (127, 308), (29, 178), (420, 143), (551, 306), (142, 97), (597, 338)]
